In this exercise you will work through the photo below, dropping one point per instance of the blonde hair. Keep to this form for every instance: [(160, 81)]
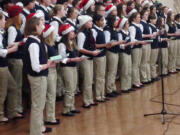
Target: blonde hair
[(55, 10), (14, 21), (50, 39)]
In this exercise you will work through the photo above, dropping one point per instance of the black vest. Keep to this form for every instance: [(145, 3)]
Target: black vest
[(100, 39), (25, 13), (138, 36), (46, 14), (3, 61), (20, 52), (89, 43), (114, 37), (155, 43), (27, 61), (54, 19), (146, 29), (163, 44), (178, 27), (126, 37), (72, 54), (51, 51), (172, 28)]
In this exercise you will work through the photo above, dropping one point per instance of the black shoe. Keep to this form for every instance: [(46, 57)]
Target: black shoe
[(86, 106), (106, 99), (101, 101), (111, 95), (18, 117), (145, 83), (57, 122), (125, 91), (177, 69), (75, 111), (48, 130), (155, 79), (59, 98), (164, 75), (141, 86), (94, 104), (69, 114), (116, 93), (131, 89), (136, 86)]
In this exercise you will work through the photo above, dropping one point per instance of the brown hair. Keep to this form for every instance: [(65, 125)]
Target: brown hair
[(1, 15), (30, 28), (49, 39), (70, 11), (169, 20), (70, 46), (14, 21), (55, 10), (133, 16)]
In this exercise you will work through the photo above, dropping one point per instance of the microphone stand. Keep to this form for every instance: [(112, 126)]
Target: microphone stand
[(163, 111)]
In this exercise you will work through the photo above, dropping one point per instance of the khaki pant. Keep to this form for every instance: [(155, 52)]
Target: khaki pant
[(8, 89), (178, 54), (15, 67), (164, 53), (99, 78), (70, 84), (136, 61), (60, 85), (38, 97), (126, 71), (145, 63), (51, 95), (153, 61), (86, 68), (111, 70), (172, 50)]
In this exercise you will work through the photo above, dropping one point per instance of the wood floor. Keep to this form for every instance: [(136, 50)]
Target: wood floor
[(119, 116)]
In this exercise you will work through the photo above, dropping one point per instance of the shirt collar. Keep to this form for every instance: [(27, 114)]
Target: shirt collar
[(144, 21), (25, 10), (36, 2), (177, 22), (52, 5), (136, 24), (72, 21), (2, 31), (152, 25), (45, 8), (98, 27), (58, 19), (125, 32), (35, 37)]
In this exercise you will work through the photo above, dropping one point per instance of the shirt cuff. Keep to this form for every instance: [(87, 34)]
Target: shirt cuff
[(64, 61), (4, 52), (122, 46), (41, 68)]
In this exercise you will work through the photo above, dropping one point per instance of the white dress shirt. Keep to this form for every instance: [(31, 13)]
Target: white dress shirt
[(132, 31), (23, 18), (80, 40), (95, 32), (3, 52), (12, 33), (56, 26), (34, 55), (62, 52)]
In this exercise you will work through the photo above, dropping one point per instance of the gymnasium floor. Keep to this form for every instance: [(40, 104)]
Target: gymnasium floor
[(119, 116)]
